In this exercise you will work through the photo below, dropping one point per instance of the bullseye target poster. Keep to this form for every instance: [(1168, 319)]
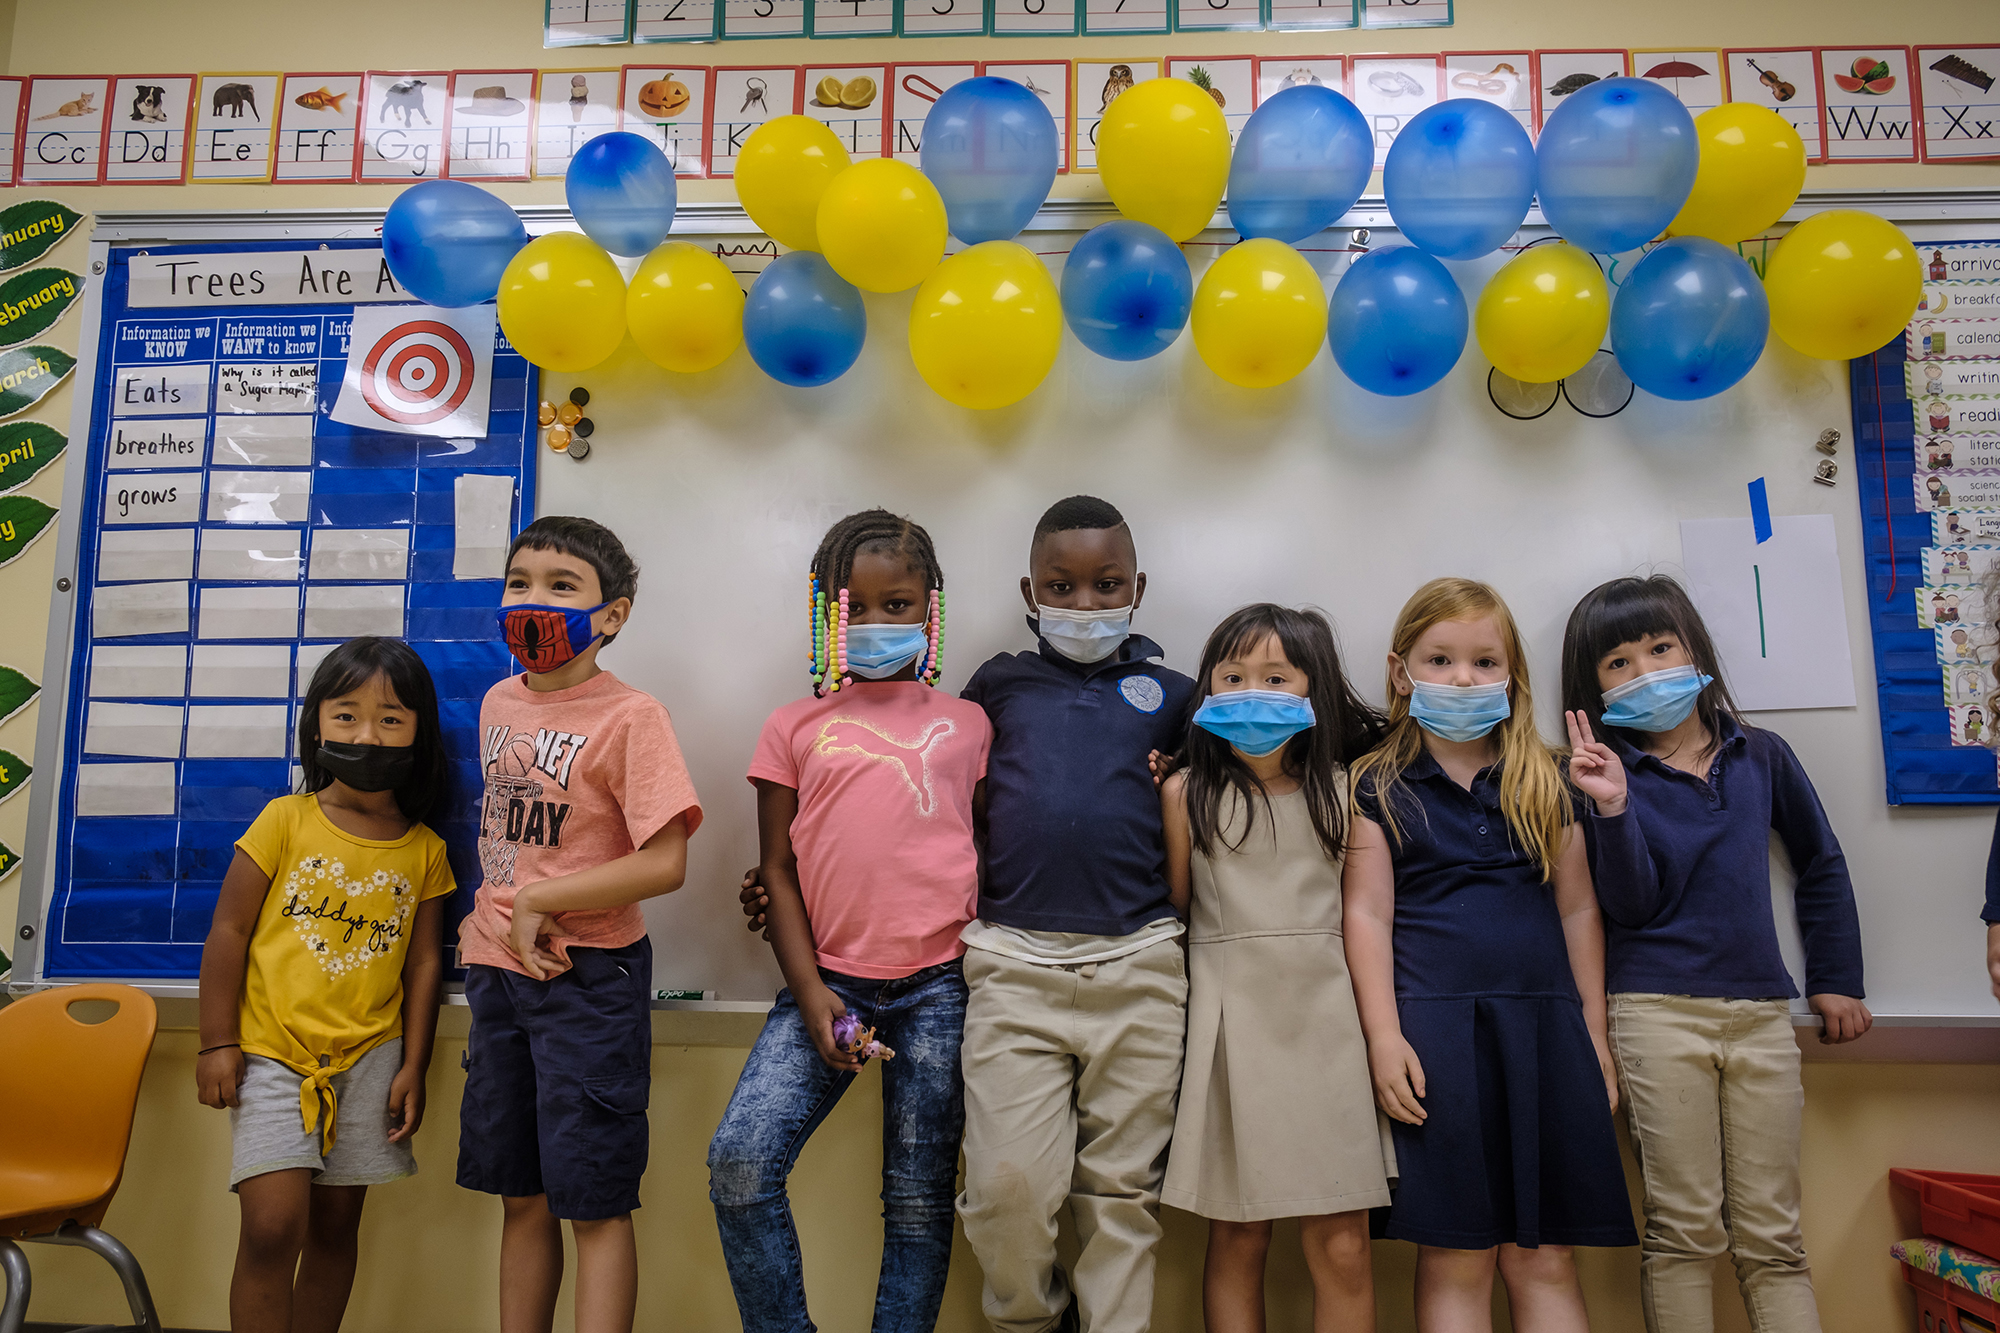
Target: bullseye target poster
[(285, 453)]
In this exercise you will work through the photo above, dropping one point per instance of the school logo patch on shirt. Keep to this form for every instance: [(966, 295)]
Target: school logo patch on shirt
[(1143, 693)]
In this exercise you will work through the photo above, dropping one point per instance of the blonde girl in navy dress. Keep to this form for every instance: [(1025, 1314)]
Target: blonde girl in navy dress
[(1478, 961)]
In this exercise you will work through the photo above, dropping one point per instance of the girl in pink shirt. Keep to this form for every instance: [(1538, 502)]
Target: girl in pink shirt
[(867, 798)]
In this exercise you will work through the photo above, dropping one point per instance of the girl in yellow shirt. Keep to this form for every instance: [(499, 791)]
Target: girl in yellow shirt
[(320, 981)]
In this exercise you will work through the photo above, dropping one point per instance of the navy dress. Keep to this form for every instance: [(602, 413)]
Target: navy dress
[(1519, 1145)]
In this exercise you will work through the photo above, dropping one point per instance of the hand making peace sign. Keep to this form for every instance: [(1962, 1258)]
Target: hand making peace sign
[(1594, 767)]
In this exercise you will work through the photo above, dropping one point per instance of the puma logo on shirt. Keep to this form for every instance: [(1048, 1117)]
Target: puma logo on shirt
[(911, 760)]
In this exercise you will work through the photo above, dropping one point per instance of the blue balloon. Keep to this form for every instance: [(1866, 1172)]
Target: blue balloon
[(1302, 160), (1397, 321), (1690, 319), (990, 147), (1459, 178), (621, 190), (803, 323), (1126, 290), (447, 243), (1615, 163)]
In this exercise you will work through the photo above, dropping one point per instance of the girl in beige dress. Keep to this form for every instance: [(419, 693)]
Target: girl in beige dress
[(1277, 1112)]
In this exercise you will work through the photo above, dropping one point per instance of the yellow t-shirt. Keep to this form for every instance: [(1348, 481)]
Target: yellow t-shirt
[(324, 980)]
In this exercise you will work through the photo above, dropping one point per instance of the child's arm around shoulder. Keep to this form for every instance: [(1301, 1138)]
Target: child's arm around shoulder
[(1368, 918), (1583, 936), (1179, 841)]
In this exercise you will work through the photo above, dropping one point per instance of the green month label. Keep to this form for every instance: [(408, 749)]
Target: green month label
[(26, 447), (29, 230), (28, 374), (16, 692), (30, 302), (22, 519), (10, 860), (14, 772)]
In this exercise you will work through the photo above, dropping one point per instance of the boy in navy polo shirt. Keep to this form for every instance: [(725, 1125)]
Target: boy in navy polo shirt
[(1078, 991)]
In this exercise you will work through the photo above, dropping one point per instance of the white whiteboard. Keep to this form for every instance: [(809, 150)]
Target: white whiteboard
[(1315, 492)]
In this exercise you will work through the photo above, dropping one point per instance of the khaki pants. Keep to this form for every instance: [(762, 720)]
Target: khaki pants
[(1712, 1089), (1071, 1075)]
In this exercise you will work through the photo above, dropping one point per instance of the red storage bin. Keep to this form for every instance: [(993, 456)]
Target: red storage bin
[(1961, 1208), (1946, 1307)]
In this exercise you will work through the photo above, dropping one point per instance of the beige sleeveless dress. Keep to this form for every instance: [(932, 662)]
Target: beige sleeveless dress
[(1277, 1112)]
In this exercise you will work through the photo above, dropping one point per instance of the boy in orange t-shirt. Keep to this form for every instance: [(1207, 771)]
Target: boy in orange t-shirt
[(587, 813)]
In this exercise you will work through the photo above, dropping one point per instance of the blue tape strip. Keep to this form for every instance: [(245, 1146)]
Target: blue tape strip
[(1760, 511)]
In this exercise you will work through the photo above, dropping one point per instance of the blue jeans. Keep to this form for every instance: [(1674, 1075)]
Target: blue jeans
[(784, 1093)]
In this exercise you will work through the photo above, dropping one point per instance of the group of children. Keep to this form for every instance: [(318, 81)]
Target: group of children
[(1240, 943)]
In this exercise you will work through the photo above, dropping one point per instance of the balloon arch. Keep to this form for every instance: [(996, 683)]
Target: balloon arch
[(1621, 166)]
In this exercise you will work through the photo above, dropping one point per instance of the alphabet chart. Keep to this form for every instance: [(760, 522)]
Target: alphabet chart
[(231, 533)]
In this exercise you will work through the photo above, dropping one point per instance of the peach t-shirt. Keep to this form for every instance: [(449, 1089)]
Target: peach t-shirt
[(885, 772), (574, 778)]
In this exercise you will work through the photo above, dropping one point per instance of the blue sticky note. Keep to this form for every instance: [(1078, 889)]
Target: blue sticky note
[(1760, 511)]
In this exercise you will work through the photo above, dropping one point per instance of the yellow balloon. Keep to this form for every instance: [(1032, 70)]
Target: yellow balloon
[(882, 225), (986, 325), (1259, 314), (1163, 151), (1543, 315), (685, 308), (562, 302), (1753, 165), (785, 167), (1843, 284)]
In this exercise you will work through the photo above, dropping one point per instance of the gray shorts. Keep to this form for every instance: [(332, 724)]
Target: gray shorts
[(266, 1132)]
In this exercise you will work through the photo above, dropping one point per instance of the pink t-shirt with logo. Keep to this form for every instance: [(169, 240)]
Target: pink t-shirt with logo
[(574, 778), (885, 772)]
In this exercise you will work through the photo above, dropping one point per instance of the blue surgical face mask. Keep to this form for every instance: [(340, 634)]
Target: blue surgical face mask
[(1656, 701), (1459, 712), (1084, 636), (1256, 722), (877, 651)]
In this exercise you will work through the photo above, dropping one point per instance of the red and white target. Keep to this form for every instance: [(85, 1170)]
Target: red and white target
[(418, 373)]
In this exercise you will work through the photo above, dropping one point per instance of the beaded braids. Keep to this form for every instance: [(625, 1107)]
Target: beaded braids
[(883, 533)]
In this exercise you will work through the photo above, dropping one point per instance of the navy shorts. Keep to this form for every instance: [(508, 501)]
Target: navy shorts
[(558, 1074)]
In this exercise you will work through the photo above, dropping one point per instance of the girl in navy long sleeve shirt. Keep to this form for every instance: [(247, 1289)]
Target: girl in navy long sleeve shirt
[(1685, 797)]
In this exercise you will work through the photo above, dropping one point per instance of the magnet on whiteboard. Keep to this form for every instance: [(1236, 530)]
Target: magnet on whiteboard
[(1828, 441), (1825, 473), (579, 449)]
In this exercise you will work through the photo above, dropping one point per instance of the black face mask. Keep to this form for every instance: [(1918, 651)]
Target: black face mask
[(368, 767)]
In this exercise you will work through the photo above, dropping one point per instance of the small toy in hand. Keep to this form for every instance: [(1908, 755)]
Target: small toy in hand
[(850, 1036)]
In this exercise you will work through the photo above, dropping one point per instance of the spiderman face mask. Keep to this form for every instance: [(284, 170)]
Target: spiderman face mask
[(542, 638)]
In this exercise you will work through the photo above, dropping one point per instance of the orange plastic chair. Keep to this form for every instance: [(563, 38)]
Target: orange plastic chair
[(67, 1092)]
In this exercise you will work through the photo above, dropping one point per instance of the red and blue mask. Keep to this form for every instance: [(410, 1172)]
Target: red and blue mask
[(542, 638)]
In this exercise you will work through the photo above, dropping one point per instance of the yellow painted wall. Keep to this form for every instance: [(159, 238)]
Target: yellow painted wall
[(430, 1249)]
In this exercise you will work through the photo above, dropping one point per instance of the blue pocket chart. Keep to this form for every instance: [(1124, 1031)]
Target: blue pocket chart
[(230, 534)]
